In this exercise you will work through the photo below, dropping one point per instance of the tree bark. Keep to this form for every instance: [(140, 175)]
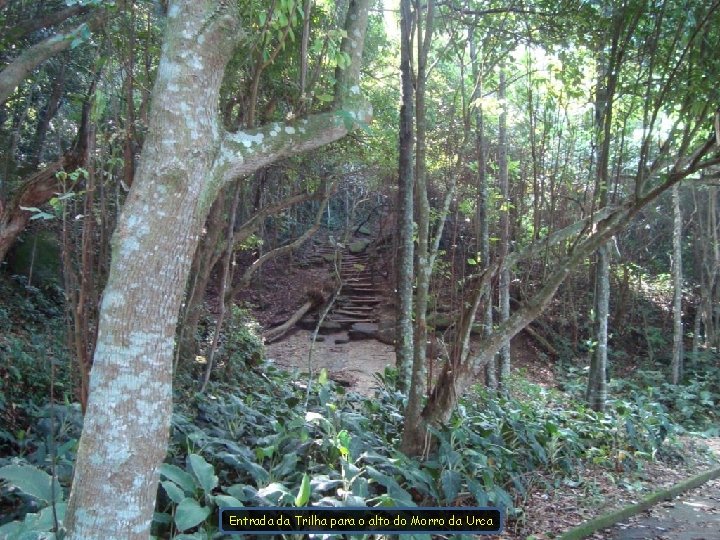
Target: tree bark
[(503, 185), (185, 160), (483, 229), (422, 208), (677, 277), (406, 247)]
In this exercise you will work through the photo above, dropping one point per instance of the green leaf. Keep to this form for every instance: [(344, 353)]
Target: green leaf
[(204, 472), (177, 475), (262, 18), (32, 481), (226, 501), (189, 514), (323, 377), (450, 481), (325, 97), (303, 495), (175, 493)]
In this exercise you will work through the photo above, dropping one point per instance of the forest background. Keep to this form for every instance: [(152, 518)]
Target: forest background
[(541, 167)]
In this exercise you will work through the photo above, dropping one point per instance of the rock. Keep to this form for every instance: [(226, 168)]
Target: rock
[(358, 246), (330, 326), (363, 331), (307, 323), (40, 252), (342, 339), (439, 321)]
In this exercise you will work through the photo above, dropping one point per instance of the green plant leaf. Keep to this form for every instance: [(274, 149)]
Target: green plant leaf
[(450, 481), (204, 472), (175, 493), (177, 475), (189, 514), (303, 495), (226, 501), (32, 481)]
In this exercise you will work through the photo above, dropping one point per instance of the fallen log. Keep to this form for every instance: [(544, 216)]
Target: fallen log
[(315, 299)]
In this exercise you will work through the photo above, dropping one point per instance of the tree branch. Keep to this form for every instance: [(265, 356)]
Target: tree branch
[(52, 19), (254, 267), (23, 65), (244, 152)]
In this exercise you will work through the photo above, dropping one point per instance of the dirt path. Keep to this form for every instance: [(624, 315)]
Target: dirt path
[(695, 515), (352, 364)]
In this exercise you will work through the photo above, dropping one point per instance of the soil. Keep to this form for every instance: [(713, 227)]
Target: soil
[(352, 364)]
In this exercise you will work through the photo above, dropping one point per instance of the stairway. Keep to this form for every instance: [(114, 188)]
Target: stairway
[(354, 309)]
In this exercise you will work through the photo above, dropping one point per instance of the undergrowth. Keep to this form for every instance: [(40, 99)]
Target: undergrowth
[(263, 437)]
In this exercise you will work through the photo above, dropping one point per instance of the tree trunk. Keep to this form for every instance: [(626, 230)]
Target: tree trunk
[(185, 160), (422, 206), (597, 382), (605, 92), (677, 277), (503, 185), (405, 273), (483, 230)]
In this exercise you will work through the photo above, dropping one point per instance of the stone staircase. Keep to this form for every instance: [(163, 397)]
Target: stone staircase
[(354, 311)]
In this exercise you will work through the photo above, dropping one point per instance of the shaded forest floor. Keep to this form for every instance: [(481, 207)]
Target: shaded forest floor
[(551, 505)]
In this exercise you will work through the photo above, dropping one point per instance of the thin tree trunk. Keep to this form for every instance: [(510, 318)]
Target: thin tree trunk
[(483, 232), (405, 273), (677, 277), (422, 206), (504, 187)]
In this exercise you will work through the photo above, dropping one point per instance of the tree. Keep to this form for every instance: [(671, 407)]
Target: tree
[(185, 161), (405, 273), (682, 151), (676, 366)]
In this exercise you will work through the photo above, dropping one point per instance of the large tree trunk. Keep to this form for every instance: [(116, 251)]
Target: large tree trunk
[(185, 160)]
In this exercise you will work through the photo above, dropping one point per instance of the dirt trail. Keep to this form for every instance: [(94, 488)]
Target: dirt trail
[(694, 515), (352, 364)]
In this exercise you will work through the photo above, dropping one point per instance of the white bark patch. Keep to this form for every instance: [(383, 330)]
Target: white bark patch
[(173, 11), (355, 89), (247, 140)]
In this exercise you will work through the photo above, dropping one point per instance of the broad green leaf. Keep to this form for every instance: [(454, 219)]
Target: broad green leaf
[(189, 514), (303, 495), (177, 475), (174, 491), (32, 481), (450, 481), (226, 501), (323, 377), (204, 472)]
